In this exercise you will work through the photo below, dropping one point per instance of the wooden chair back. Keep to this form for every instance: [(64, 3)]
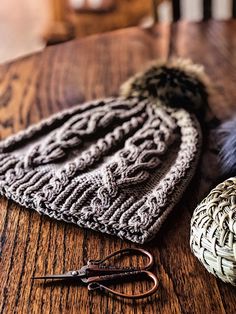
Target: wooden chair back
[(207, 9)]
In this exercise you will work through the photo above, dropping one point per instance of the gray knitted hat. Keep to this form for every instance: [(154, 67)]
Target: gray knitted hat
[(115, 165)]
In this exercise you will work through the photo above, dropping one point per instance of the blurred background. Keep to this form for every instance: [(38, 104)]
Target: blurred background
[(28, 26)]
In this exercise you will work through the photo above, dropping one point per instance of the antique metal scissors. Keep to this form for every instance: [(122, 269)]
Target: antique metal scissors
[(97, 274)]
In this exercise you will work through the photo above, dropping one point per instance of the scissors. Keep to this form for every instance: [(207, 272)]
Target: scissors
[(97, 272)]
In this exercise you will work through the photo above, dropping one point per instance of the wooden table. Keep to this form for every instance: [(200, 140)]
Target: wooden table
[(64, 75)]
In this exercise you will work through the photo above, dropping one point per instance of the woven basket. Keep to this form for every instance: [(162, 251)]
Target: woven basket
[(213, 231)]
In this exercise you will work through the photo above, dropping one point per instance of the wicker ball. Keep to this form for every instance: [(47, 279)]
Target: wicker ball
[(213, 231)]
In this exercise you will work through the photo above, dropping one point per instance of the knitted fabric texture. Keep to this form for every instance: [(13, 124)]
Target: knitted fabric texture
[(116, 165)]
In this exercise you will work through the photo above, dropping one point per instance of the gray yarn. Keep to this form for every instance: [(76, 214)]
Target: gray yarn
[(116, 165)]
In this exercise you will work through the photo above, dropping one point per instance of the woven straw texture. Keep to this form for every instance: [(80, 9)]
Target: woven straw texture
[(213, 229)]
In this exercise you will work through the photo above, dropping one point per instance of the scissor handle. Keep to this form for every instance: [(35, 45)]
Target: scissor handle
[(97, 285), (127, 250)]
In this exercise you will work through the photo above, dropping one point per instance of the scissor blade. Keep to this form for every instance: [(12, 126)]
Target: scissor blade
[(70, 275), (54, 277)]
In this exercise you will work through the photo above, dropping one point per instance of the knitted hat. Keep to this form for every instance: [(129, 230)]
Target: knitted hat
[(116, 165)]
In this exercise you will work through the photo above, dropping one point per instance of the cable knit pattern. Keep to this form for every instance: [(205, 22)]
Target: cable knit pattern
[(116, 165)]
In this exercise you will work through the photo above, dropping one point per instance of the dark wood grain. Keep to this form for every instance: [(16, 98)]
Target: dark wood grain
[(61, 76), (176, 10), (234, 8), (207, 9)]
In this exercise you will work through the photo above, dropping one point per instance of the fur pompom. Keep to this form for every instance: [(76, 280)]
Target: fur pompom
[(177, 83), (227, 141)]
